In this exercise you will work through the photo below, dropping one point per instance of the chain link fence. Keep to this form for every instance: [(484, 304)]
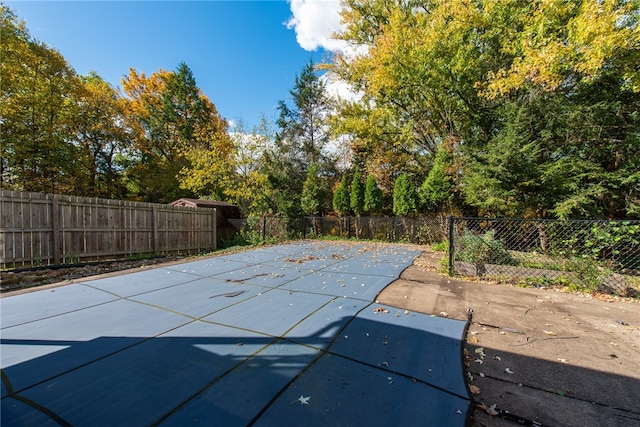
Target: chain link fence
[(581, 255), (421, 231), (587, 255)]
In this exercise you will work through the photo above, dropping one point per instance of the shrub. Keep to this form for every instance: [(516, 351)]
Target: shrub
[(482, 249)]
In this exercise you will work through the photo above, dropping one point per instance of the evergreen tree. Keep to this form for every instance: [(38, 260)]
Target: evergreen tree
[(404, 196), (357, 195), (373, 200), (312, 198), (341, 202), (300, 140), (437, 190)]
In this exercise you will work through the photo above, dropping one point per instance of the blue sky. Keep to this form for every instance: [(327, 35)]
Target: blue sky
[(243, 54)]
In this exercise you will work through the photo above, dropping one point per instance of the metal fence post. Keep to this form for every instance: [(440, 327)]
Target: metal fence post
[(451, 266), (264, 229), (393, 228)]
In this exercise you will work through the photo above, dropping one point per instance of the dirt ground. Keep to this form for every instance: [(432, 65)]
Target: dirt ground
[(535, 356)]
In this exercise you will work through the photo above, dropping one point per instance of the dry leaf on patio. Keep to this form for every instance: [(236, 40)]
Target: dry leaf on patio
[(549, 332), (304, 400), (480, 351), (508, 371), (474, 389), (473, 339), (491, 410)]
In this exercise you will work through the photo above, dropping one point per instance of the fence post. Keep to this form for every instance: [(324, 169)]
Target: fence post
[(451, 249), (154, 224), (348, 227), (393, 228), (215, 228), (55, 228), (264, 228)]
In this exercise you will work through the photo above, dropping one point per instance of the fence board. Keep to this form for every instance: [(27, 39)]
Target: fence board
[(45, 229)]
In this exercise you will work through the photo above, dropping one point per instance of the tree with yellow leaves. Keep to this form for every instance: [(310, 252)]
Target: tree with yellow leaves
[(540, 96), (181, 142)]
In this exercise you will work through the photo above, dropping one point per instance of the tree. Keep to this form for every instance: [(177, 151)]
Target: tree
[(182, 144), (528, 90), (303, 127), (247, 185), (300, 141), (357, 195), (373, 200), (341, 202), (38, 113), (313, 194), (418, 78), (101, 137), (438, 190), (404, 197)]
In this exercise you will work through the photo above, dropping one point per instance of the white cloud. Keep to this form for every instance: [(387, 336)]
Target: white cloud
[(315, 21), (339, 89)]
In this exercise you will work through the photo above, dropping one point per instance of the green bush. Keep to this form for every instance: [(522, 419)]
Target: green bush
[(482, 249), (442, 246)]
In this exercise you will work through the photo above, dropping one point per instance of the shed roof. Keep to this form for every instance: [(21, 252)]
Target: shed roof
[(198, 203)]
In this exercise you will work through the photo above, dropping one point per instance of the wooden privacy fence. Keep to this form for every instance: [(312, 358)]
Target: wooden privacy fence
[(46, 229)]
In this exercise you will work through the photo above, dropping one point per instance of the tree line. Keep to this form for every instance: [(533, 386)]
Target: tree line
[(520, 108)]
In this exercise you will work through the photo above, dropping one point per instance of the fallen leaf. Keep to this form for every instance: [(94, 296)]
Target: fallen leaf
[(481, 374), (479, 361), (458, 411), (304, 400), (474, 389), (492, 410), (508, 371), (549, 332), (480, 351), (563, 360), (473, 339), (498, 358), (444, 314), (560, 392)]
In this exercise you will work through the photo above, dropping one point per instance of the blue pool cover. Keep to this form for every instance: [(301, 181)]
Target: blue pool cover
[(281, 335)]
